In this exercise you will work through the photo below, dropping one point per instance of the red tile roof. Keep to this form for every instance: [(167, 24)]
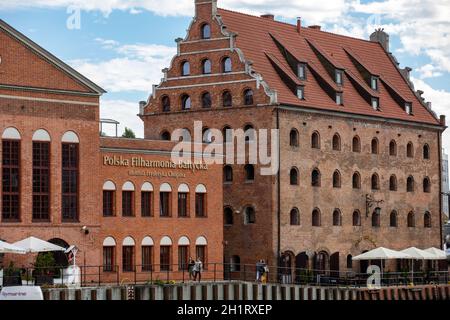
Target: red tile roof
[(259, 39)]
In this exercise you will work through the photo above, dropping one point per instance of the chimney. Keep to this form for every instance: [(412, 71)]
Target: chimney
[(268, 16), (142, 105), (382, 37), (299, 24), (406, 72), (442, 120), (315, 27), (205, 8)]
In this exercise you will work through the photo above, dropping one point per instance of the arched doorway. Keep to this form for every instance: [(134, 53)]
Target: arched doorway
[(334, 265), (321, 262), (286, 264), (301, 268), (59, 256), (363, 264)]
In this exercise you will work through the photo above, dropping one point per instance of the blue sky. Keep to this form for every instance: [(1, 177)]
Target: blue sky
[(123, 44)]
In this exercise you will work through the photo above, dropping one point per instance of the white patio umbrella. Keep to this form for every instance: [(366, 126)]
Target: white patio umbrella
[(437, 253), (382, 254), (35, 245), (417, 254), (9, 248)]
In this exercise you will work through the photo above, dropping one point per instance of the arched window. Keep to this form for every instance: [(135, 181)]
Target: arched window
[(356, 218), (165, 198), (356, 144), (147, 200), (411, 220), (206, 31), (226, 65), (235, 264), (374, 146), (248, 97), (207, 135), (349, 261), (356, 180), (375, 182), (70, 176), (183, 200), (128, 199), (228, 216), (206, 66), (410, 184), (249, 132), (200, 201), (315, 140), (336, 142), (376, 217), (293, 138), (250, 216), (206, 100), (165, 254), (295, 217), (109, 254), (109, 190), (165, 102), (393, 183), (147, 245), (393, 220), (337, 218), (410, 150), (315, 218), (315, 178), (227, 134), (185, 102), (227, 173), (392, 148), (185, 68), (427, 220), (165, 135), (41, 176), (293, 177), (128, 254), (336, 179), (227, 99), (249, 172), (426, 151), (426, 185)]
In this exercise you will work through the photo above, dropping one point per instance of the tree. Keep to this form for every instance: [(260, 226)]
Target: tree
[(128, 133)]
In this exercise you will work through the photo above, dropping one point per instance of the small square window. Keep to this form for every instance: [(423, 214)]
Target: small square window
[(301, 71), (408, 108), (339, 77), (375, 104), (339, 99), (301, 93), (374, 83)]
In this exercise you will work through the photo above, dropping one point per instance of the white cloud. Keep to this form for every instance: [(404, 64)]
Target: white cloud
[(440, 104), (428, 71), (123, 111), (136, 68)]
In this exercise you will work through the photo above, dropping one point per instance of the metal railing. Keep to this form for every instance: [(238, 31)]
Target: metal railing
[(212, 272)]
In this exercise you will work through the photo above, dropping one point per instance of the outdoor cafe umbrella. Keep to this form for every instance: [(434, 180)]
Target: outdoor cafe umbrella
[(9, 248), (437, 253), (417, 254), (381, 254), (35, 245)]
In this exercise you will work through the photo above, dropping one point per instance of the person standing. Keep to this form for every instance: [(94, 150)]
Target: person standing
[(191, 265), (259, 270), (198, 268)]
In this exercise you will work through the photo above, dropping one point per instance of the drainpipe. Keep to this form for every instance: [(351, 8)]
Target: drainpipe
[(441, 237), (278, 195)]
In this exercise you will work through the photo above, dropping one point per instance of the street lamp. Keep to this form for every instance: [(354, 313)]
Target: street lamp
[(370, 201)]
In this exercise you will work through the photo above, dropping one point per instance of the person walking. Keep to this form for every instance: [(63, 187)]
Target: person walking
[(265, 272), (259, 270), (191, 265), (198, 268)]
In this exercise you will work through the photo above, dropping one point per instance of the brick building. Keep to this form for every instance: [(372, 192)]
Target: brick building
[(359, 147), (124, 202)]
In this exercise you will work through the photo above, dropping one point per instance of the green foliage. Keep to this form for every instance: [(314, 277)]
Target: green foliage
[(11, 270), (128, 133), (45, 264)]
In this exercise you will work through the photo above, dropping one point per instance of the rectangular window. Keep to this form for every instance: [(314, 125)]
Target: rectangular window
[(301, 71), (11, 180), (375, 104), (108, 259), (301, 93), (374, 83), (339, 77), (70, 182), (108, 203), (408, 108), (147, 258), (182, 204), (127, 204), (164, 258), (183, 257), (41, 181), (128, 258), (200, 204), (339, 100), (164, 204), (146, 204), (200, 252)]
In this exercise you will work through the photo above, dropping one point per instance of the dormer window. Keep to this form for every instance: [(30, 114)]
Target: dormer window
[(339, 77), (374, 83), (301, 72), (408, 108), (375, 104), (301, 93), (339, 98), (206, 31)]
